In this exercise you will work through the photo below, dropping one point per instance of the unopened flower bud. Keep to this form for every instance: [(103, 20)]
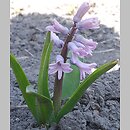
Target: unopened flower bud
[(59, 43), (86, 42), (78, 51), (60, 28), (81, 12), (91, 23), (52, 29), (57, 28)]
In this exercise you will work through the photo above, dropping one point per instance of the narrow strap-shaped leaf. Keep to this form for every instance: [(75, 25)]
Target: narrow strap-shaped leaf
[(22, 82), (83, 86), (40, 106), (19, 73), (43, 106), (43, 73)]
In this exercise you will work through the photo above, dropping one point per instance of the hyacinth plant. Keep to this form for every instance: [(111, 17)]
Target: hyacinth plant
[(72, 75)]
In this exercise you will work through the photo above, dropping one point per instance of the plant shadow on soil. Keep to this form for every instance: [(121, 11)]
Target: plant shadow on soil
[(99, 107)]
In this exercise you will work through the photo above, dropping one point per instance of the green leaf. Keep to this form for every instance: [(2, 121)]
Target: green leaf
[(22, 82), (40, 106), (19, 73), (43, 72), (83, 86), (43, 106), (70, 82)]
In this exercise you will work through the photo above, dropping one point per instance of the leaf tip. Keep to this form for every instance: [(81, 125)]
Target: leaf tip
[(115, 61)]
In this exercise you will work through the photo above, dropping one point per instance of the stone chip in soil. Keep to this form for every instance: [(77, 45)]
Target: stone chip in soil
[(99, 107)]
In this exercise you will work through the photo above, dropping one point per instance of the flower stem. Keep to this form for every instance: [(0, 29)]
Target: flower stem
[(57, 94), (68, 39), (58, 83)]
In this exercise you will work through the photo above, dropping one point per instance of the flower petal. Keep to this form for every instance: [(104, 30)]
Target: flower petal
[(59, 74), (74, 58), (85, 68), (91, 23), (79, 44), (86, 42), (52, 71), (52, 29), (81, 12), (60, 28), (59, 43), (60, 59), (59, 66), (52, 65)]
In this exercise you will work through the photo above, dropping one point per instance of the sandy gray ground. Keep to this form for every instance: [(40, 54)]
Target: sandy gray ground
[(99, 107)]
